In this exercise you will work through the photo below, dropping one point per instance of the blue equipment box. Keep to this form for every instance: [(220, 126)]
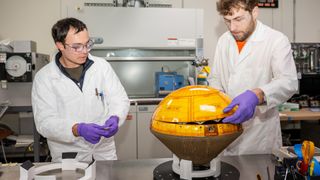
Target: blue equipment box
[(166, 82)]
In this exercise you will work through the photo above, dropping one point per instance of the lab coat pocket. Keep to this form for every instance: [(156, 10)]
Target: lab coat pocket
[(97, 106), (67, 101)]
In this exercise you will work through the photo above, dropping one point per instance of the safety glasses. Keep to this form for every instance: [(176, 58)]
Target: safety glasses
[(78, 47)]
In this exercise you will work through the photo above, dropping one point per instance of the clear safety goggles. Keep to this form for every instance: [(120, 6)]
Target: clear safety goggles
[(77, 47)]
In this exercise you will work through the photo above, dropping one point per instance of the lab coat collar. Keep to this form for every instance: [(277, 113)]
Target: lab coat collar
[(257, 35), (86, 66)]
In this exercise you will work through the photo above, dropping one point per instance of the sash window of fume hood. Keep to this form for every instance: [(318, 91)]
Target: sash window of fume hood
[(136, 67), (145, 54)]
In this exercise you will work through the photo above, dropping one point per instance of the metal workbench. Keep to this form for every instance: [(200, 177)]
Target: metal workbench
[(249, 167)]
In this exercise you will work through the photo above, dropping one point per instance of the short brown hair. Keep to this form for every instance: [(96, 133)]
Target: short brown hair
[(224, 6), (60, 30)]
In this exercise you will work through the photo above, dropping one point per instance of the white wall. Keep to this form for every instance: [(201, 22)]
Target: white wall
[(307, 23), (29, 20), (280, 18)]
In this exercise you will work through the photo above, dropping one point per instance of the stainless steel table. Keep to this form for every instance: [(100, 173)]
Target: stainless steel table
[(249, 166)]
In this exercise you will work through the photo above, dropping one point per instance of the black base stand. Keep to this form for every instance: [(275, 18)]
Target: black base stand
[(164, 172)]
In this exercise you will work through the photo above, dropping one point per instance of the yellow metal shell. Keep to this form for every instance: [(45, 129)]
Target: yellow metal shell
[(192, 104), (191, 111)]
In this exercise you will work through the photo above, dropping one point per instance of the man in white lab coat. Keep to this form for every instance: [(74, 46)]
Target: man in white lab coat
[(78, 101), (253, 64)]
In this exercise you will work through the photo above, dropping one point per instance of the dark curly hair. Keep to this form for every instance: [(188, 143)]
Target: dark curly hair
[(60, 30), (224, 6)]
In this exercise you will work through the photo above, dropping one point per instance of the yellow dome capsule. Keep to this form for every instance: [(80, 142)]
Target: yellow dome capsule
[(193, 111)]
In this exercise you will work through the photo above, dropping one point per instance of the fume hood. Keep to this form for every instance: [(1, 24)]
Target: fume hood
[(137, 27)]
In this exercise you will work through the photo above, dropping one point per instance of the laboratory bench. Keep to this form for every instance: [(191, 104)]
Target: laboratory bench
[(301, 115), (247, 166), (300, 125), (145, 101)]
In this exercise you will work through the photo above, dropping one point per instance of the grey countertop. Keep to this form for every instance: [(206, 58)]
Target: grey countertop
[(248, 166), (145, 101)]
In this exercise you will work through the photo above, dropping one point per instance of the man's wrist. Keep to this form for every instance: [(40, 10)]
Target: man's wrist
[(75, 130), (260, 94)]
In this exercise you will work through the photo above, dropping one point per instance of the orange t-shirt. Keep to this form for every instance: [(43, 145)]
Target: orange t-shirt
[(240, 45)]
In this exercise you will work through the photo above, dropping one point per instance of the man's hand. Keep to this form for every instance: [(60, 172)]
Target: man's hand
[(90, 132), (247, 103), (110, 126)]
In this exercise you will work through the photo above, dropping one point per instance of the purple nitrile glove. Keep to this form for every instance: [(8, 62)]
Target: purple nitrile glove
[(90, 132), (247, 103), (110, 126)]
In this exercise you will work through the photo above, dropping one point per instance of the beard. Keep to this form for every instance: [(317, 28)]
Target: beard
[(244, 35)]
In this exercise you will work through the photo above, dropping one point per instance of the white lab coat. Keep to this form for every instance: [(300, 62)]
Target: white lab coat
[(58, 104), (265, 62)]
